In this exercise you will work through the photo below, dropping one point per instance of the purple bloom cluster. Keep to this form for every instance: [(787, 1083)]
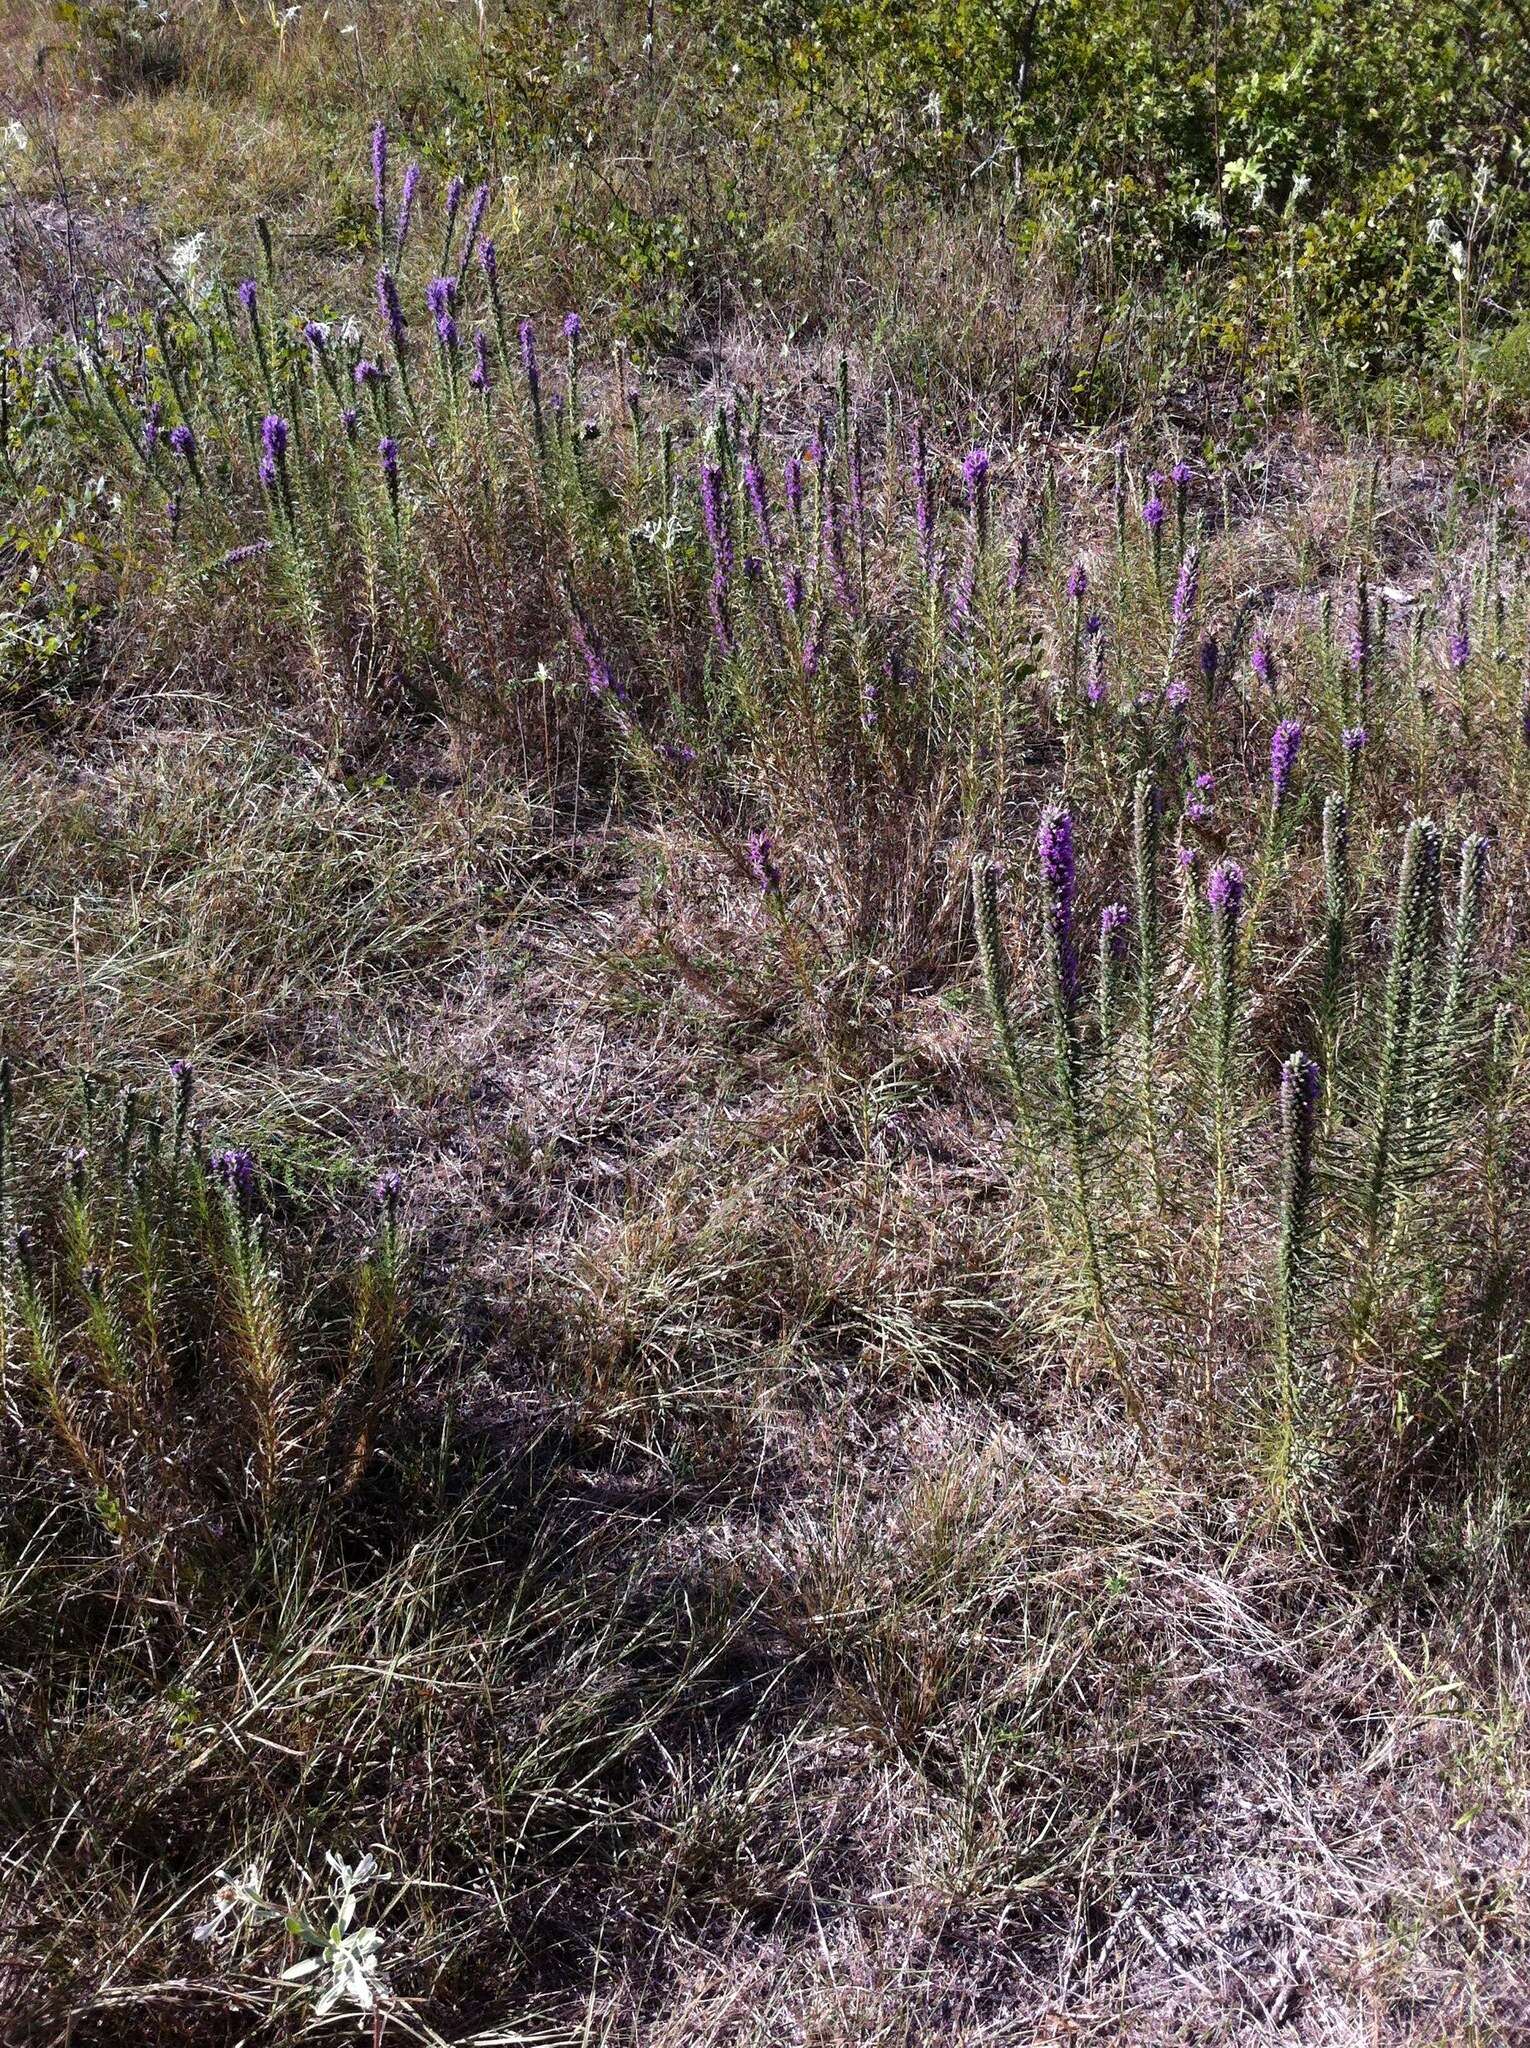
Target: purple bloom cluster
[(754, 484), (760, 854), (1059, 875), (273, 442), (406, 207), (1115, 922), (715, 516), (474, 223), (1262, 662), (1078, 582), (1354, 739), (388, 305), (184, 442), (1224, 889), (975, 478), (792, 483), (1154, 512), (1285, 744), (233, 1169)]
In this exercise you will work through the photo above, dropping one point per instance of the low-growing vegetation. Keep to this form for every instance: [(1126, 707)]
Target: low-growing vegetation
[(763, 1137)]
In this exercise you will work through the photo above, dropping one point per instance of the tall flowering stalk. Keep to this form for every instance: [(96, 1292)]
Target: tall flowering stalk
[(996, 986), (1057, 866), (1408, 972), (1115, 924), (1335, 913), (975, 481), (1465, 939), (716, 513), (380, 181), (1224, 902), (1300, 1093), (1147, 841), (924, 504)]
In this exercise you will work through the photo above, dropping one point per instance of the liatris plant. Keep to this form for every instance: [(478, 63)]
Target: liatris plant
[(996, 985), (1057, 864), (1300, 1091), (1335, 912), (1465, 939), (1147, 837), (1115, 922), (1224, 899), (1409, 974), (172, 1375)]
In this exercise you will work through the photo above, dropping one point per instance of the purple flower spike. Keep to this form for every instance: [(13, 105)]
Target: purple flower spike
[(754, 484), (440, 296), (367, 374), (526, 335), (316, 335), (184, 442), (794, 600), (389, 307), (1059, 874), (1153, 513), (273, 436), (488, 257), (1078, 582), (387, 456), (234, 1169), (1180, 475), (975, 473), (151, 420), (1115, 922), (793, 484), (1354, 739), (350, 419), (1285, 744), (474, 222), (1186, 589), (760, 854), (406, 207), (714, 513), (1458, 649), (1262, 662), (478, 376), (1209, 659), (454, 193), (380, 170), (248, 295), (1224, 888), (573, 327)]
